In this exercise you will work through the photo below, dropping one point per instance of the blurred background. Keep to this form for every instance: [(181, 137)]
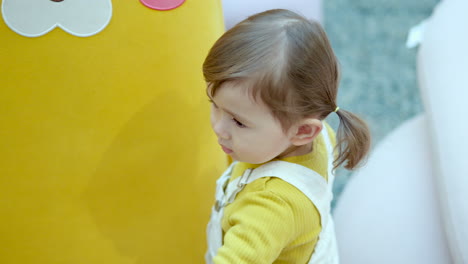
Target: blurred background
[(378, 78)]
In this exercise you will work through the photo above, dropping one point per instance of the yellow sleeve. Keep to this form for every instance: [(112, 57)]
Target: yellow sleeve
[(269, 220), (260, 227)]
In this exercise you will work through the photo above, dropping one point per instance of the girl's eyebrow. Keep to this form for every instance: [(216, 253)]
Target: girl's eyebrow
[(236, 116), (239, 118)]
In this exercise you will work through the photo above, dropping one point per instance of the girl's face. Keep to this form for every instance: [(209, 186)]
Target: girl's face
[(245, 128)]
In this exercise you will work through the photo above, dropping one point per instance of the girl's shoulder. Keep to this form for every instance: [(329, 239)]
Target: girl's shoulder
[(284, 197)]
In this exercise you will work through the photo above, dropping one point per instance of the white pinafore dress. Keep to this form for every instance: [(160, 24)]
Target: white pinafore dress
[(309, 182)]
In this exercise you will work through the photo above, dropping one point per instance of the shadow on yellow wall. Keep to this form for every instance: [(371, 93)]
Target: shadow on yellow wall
[(106, 154)]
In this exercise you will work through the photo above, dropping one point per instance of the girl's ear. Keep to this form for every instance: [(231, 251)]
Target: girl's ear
[(306, 131)]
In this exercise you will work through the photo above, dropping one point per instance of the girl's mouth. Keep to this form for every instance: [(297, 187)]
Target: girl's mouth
[(226, 150)]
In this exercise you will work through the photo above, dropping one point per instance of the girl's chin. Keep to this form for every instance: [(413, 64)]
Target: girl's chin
[(250, 161)]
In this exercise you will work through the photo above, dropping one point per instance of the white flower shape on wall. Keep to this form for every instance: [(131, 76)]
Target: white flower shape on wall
[(34, 18)]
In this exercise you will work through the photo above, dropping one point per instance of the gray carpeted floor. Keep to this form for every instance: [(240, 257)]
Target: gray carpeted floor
[(378, 79)]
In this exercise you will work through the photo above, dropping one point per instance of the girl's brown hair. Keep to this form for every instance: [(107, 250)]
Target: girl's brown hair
[(287, 61)]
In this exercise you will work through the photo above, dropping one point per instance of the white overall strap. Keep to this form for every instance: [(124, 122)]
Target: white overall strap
[(331, 157), (300, 177), (214, 232), (326, 250), (222, 185)]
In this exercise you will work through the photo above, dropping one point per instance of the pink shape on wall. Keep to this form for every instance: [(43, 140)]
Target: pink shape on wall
[(162, 4)]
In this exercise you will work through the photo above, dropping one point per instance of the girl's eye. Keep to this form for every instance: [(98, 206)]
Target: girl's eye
[(239, 124)]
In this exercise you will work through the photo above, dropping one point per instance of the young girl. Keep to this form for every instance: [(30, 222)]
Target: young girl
[(272, 80)]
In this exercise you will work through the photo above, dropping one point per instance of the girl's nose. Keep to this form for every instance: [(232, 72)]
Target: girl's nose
[(219, 127)]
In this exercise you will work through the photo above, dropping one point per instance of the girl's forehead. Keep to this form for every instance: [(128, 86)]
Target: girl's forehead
[(240, 89), (238, 95), (244, 88)]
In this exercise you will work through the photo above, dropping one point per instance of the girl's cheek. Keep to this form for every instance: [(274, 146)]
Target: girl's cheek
[(213, 118)]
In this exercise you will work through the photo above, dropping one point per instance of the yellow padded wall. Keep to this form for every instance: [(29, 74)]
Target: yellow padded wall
[(106, 153)]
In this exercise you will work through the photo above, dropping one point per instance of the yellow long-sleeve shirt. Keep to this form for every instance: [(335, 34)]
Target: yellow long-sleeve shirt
[(271, 221)]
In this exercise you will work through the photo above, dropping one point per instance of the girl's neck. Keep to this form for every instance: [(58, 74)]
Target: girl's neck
[(296, 151)]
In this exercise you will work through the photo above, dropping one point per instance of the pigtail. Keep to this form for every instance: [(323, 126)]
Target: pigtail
[(353, 140)]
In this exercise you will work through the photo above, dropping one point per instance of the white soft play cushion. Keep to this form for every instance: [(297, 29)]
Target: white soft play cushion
[(443, 78), (237, 10), (388, 212)]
